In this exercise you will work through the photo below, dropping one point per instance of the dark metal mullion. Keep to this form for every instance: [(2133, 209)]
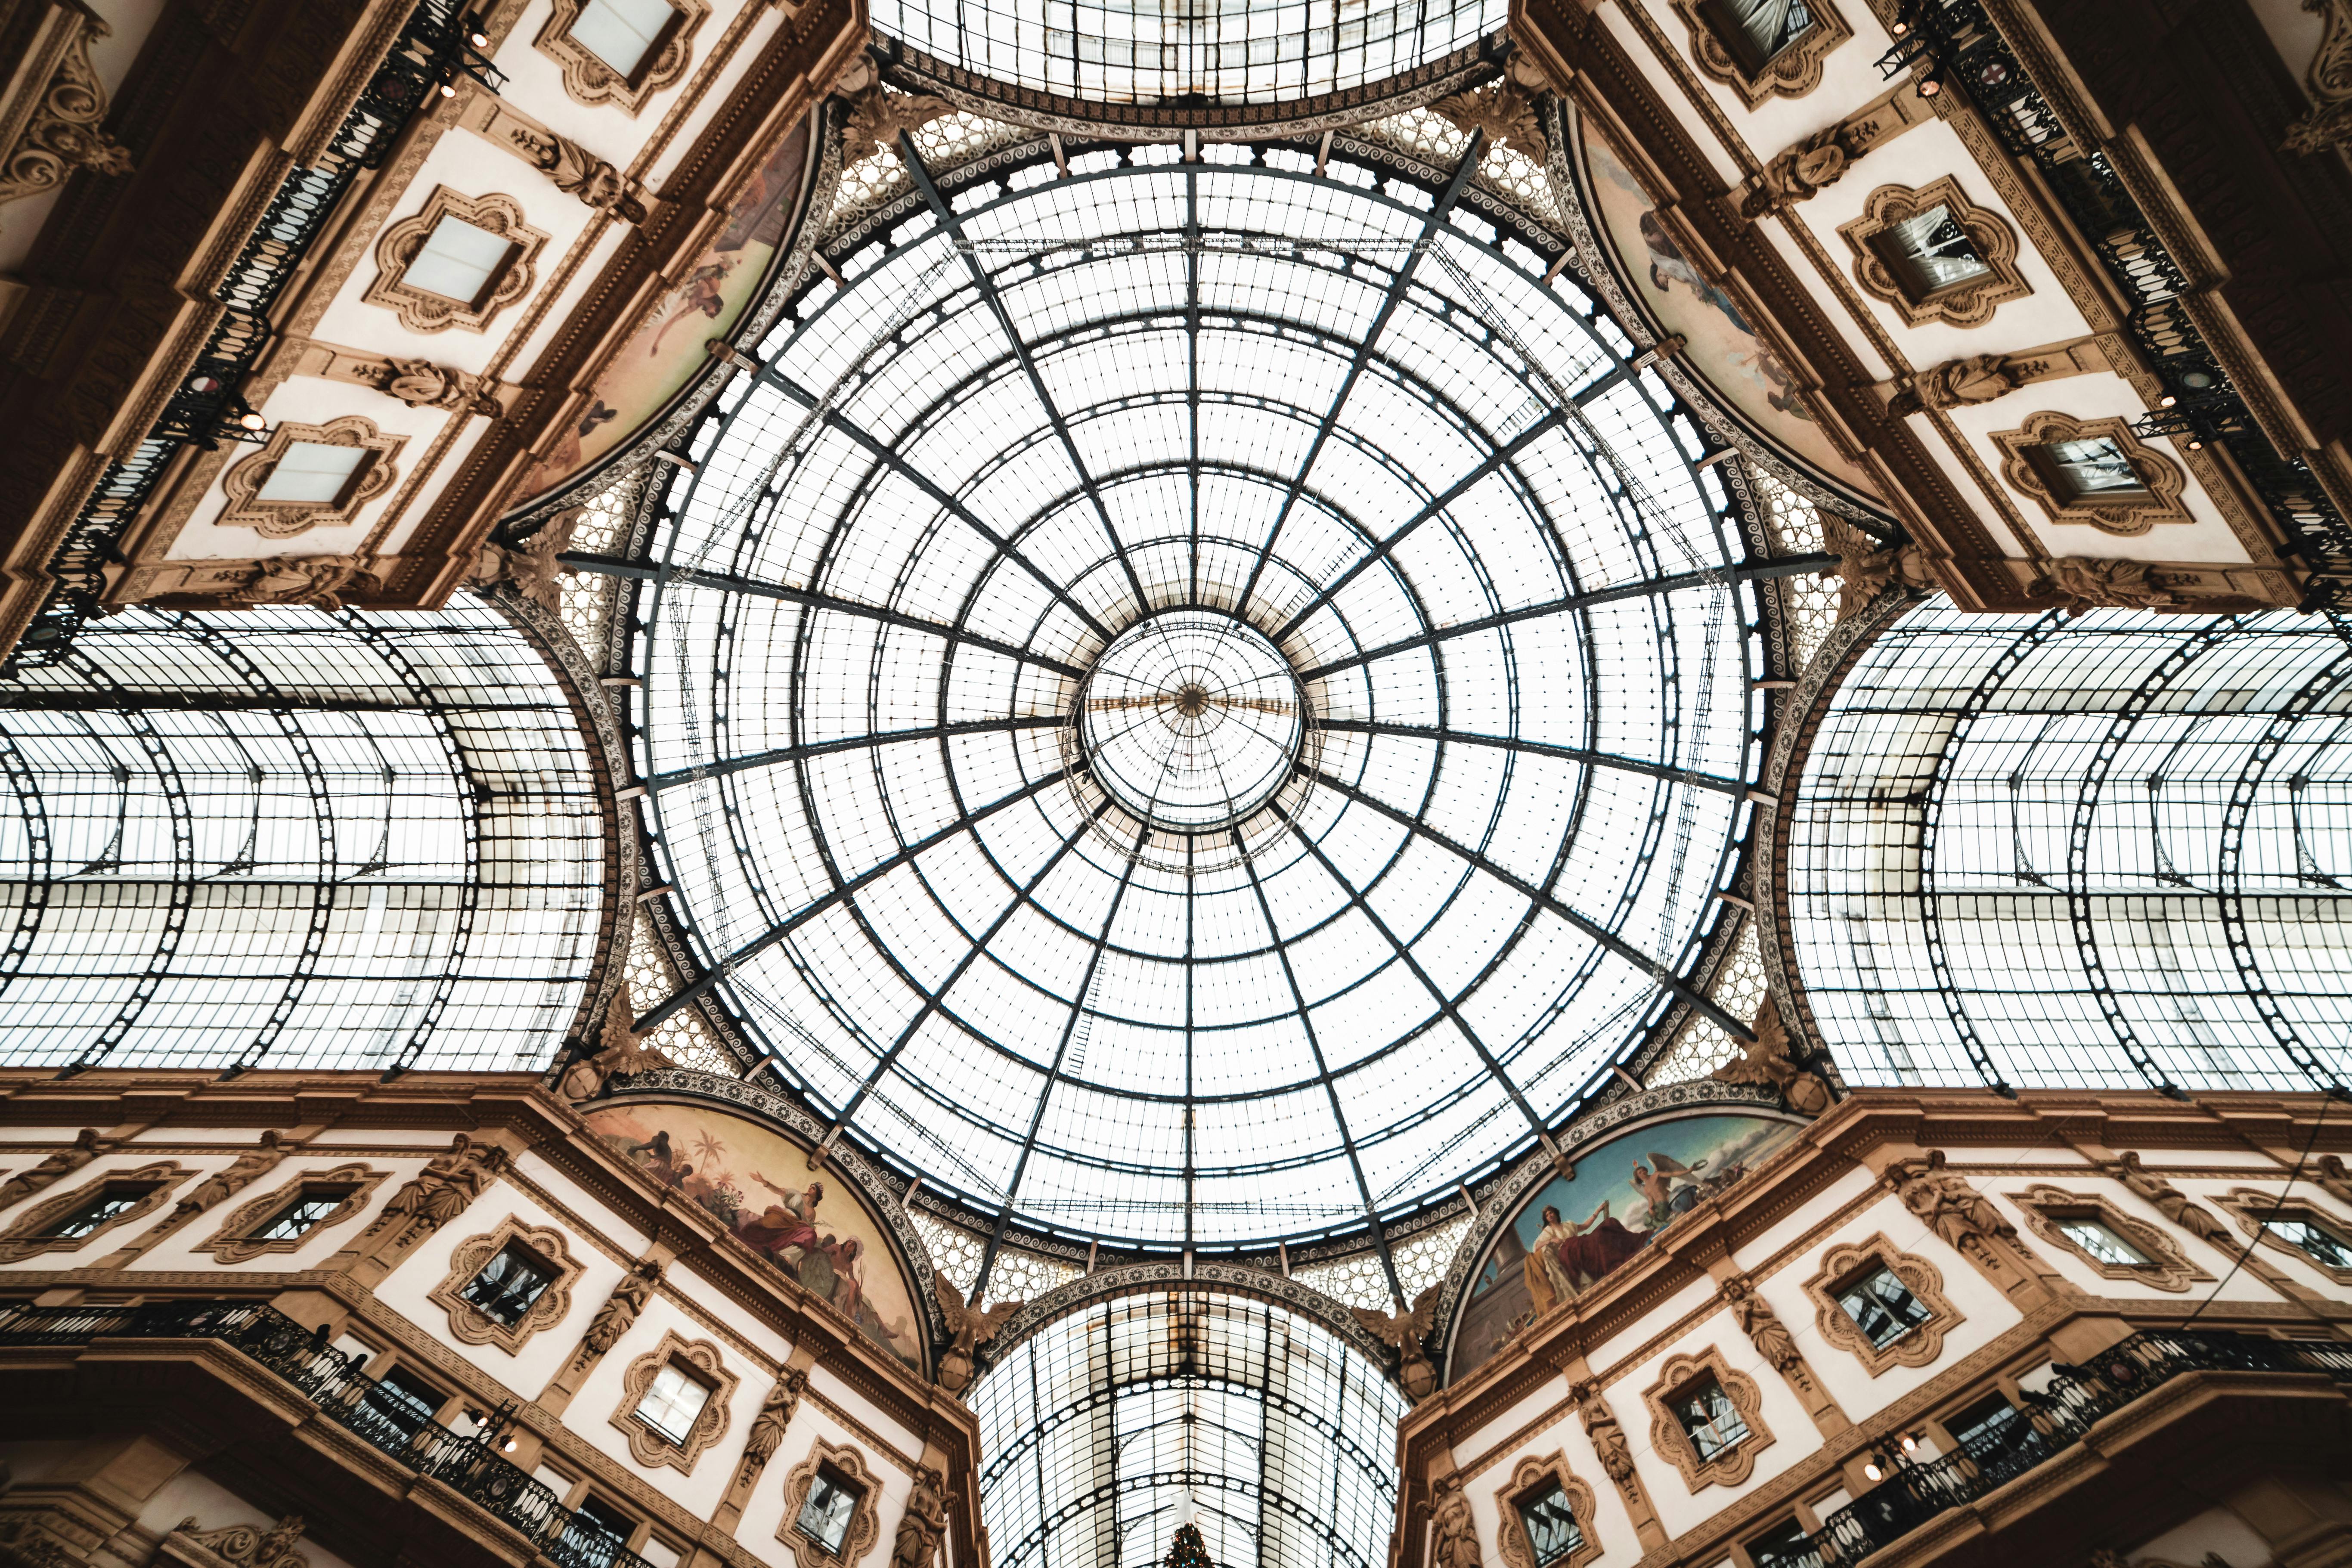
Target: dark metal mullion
[(965, 821), (1543, 896), (887, 454), (1053, 1073), (935, 1001), (1322, 1070), (1193, 362), (1792, 566), (1446, 1004), (950, 220), (609, 567), (774, 755), (1538, 748), (1478, 476), (1397, 287)]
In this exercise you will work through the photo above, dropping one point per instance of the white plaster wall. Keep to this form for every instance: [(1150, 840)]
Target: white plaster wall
[(763, 1516), (591, 1412), (1551, 1391), (1692, 1297), (1793, 1433), (406, 1291), (1612, 1523), (591, 1211), (822, 1381), (1985, 1311)]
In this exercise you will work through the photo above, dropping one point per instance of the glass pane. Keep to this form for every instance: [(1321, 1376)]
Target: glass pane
[(2325, 1246), (621, 33), (97, 1211), (2100, 1242), (2093, 466), (1882, 1307), (1930, 253), (1785, 1546), (457, 262), (508, 1285), (1552, 1525), (1710, 1418), (671, 1403), (1756, 31), (824, 1518), (312, 474), (297, 1218), (399, 1398)]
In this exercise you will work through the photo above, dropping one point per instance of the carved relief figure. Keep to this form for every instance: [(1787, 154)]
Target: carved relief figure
[(2175, 1204), (1456, 1540), (920, 1527), (971, 1328), (440, 1191), (876, 117), (1505, 110), (2086, 583), (87, 1146), (1609, 1441), (620, 1056), (1944, 1201), (222, 1183), (1955, 383), (532, 565), (1762, 1326), (621, 1309), (775, 1413)]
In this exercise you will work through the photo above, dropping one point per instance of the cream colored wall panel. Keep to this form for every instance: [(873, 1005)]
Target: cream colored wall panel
[(2294, 28), (715, 86), (822, 1380), (605, 1221), (601, 1398), (1535, 1406), (2209, 537), (1694, 1297), (408, 1290), (1613, 1522), (708, 1298), (1793, 1433), (535, 85), (2217, 1532), (1663, 81), (554, 316), (1849, 79), (1790, 1228), (448, 465), (763, 1516)]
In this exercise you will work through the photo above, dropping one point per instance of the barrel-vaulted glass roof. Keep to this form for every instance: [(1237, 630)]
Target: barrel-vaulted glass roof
[(1195, 703)]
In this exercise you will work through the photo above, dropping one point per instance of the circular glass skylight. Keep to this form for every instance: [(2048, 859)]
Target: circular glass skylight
[(1195, 703), (1192, 720)]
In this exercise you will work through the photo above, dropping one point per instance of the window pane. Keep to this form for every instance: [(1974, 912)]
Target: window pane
[(402, 1400), (621, 33), (1786, 1546), (1882, 1307), (2100, 1242), (2325, 1246), (824, 1518), (297, 1218), (313, 473), (597, 1533), (1710, 1418), (672, 1403), (2093, 466), (1552, 1525), (1758, 30), (457, 262), (1930, 253), (97, 1211), (508, 1285)]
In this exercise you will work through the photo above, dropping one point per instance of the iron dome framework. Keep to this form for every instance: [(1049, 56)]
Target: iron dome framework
[(1109, 1429), (1333, 408), (2149, 815), (295, 840)]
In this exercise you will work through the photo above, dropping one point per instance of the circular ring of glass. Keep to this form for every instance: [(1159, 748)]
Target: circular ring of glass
[(1192, 720)]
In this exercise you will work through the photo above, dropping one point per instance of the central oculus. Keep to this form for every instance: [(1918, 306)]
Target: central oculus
[(1192, 720)]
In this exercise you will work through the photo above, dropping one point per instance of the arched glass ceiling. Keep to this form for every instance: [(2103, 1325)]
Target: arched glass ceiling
[(1316, 455), (1107, 1429), (1223, 52), (292, 839), (2148, 815)]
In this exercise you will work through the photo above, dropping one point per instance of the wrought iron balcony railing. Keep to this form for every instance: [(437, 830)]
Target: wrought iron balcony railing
[(386, 1418), (435, 46), (1953, 43), (2057, 1419)]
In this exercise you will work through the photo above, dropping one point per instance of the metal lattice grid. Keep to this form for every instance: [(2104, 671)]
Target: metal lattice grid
[(2113, 850), (290, 838), (1333, 411), (1108, 1429), (1226, 51)]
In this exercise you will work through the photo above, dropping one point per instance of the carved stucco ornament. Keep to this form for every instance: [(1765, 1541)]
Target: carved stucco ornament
[(2329, 122), (60, 129)]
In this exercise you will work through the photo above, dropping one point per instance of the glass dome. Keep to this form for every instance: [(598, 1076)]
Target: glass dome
[(1107, 54), (1193, 703)]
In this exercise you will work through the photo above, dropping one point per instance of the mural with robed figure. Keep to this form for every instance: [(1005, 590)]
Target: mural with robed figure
[(1571, 1235), (757, 1183)]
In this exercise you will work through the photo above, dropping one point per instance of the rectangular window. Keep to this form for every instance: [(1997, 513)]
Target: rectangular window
[(833, 1501), (2324, 1246), (404, 1401), (1882, 1307), (1930, 253), (509, 1284), (1786, 1545), (1710, 1419), (671, 1403), (1757, 31), (2092, 468), (459, 261), (298, 1218), (626, 35), (2093, 1238), (1550, 1525), (311, 473), (113, 1200)]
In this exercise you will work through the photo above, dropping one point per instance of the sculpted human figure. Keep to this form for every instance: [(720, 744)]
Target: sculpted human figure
[(240, 1174), (920, 1527), (1455, 1542), (622, 1307), (87, 1146), (1762, 1326), (440, 1191), (2170, 1200)]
